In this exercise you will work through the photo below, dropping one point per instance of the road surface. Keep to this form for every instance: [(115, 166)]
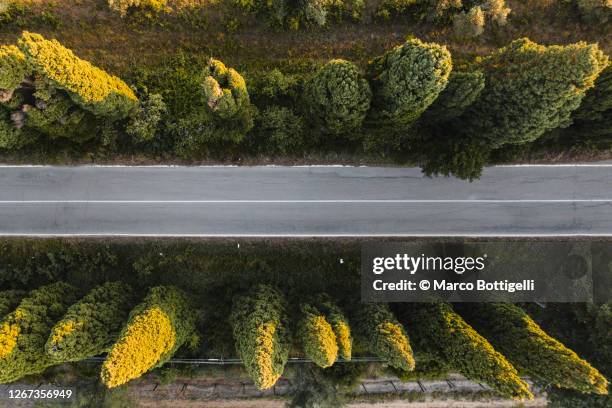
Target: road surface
[(304, 201)]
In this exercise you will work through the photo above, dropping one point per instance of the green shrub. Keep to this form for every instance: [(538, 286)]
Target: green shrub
[(24, 331), (406, 80), (384, 336), (9, 300), (437, 329), (155, 330), (595, 11), (317, 337), (259, 323), (144, 121), (531, 89), (280, 130), (462, 90), (274, 87), (91, 325), (531, 350), (337, 97), (88, 86), (225, 90)]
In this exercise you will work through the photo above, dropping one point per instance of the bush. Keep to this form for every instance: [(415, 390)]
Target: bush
[(437, 329), (384, 336), (90, 326), (280, 130), (156, 329), (274, 87), (24, 331), (496, 11), (317, 337), (406, 80), (531, 350), (337, 97), (143, 122), (225, 90), (9, 300), (531, 89), (259, 323), (88, 86), (122, 6), (461, 91), (470, 24)]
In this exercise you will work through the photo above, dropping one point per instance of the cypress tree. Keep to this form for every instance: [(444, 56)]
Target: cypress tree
[(531, 89), (155, 330), (91, 325), (337, 97), (530, 349), (317, 337), (24, 331), (406, 80), (380, 332), (439, 330), (259, 322)]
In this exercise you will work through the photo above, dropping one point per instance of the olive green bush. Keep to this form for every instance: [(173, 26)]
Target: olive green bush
[(436, 328), (317, 337), (406, 81), (9, 300), (531, 350), (380, 332), (91, 325), (531, 89), (259, 322), (24, 331), (279, 130), (155, 330), (337, 97)]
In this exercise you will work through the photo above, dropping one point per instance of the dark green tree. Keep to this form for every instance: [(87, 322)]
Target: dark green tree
[(531, 89), (337, 97)]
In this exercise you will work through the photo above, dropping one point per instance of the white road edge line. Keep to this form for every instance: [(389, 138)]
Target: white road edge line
[(468, 201), (153, 166), (344, 235)]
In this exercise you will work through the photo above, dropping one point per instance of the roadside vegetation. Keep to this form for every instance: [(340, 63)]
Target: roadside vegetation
[(141, 303), (407, 82)]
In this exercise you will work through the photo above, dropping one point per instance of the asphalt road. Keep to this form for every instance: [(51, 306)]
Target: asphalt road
[(304, 201)]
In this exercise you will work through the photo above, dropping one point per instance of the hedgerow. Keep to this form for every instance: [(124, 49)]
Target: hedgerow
[(317, 337), (531, 89), (24, 331), (155, 330), (337, 97), (383, 335), (91, 325), (438, 329), (9, 300), (259, 323), (405, 81), (532, 350)]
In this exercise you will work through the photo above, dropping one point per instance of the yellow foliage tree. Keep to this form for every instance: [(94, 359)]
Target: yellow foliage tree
[(157, 327), (317, 337)]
